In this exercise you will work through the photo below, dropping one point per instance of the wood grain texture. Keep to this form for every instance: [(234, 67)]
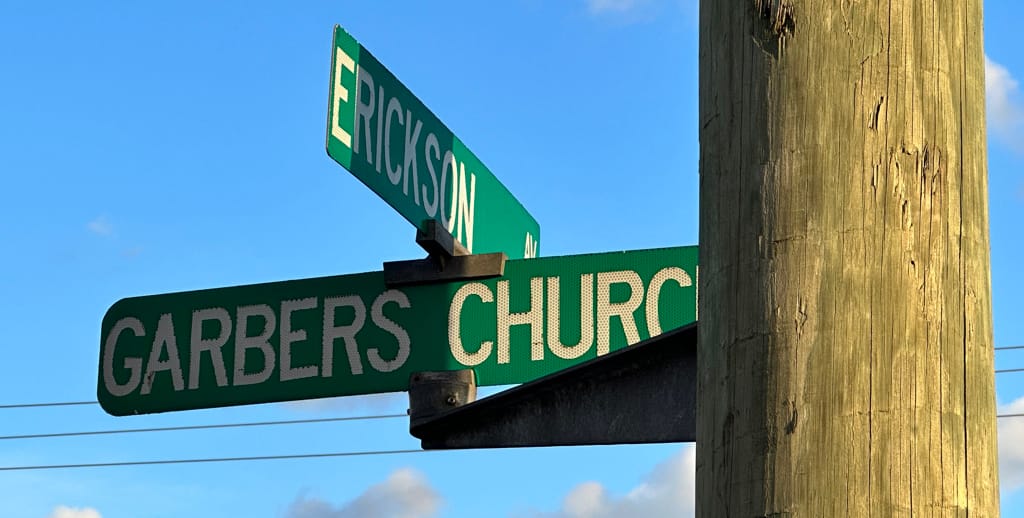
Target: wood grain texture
[(845, 332)]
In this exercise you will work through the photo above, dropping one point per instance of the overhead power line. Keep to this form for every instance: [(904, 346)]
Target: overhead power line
[(207, 460), (83, 403), (200, 427), (1004, 371), (37, 405)]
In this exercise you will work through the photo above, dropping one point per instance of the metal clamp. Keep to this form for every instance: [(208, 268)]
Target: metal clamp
[(432, 393), (447, 261)]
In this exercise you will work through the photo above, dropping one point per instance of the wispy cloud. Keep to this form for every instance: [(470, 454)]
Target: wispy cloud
[(103, 227), (405, 494), (100, 226), (1005, 113), (658, 496), (1011, 447), (74, 512)]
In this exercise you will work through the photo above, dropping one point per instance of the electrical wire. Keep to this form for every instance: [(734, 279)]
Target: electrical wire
[(40, 467), (1004, 371), (207, 460), (37, 405), (238, 459), (200, 427), (80, 403)]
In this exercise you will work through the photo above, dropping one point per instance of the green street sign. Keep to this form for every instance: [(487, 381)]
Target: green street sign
[(351, 334), (388, 139)]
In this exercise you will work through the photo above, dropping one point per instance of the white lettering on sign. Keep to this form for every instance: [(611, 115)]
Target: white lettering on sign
[(244, 342), (534, 315), (257, 343), (253, 327), (380, 126), (447, 211), (164, 341), (530, 248), (664, 275), (134, 365), (342, 61), (290, 336), (455, 329), (466, 208), (212, 346), (386, 324), (624, 310), (431, 206), (412, 137), (394, 109), (570, 352), (364, 111), (451, 198), (346, 332)]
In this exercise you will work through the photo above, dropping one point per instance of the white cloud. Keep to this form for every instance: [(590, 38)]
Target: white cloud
[(1011, 447), (667, 492), (100, 226), (405, 494), (74, 512), (390, 402), (1005, 114)]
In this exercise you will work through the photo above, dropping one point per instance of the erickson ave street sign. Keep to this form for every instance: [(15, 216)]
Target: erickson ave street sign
[(389, 140), (351, 334)]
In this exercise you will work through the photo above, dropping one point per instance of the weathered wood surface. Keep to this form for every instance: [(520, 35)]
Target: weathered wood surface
[(845, 331)]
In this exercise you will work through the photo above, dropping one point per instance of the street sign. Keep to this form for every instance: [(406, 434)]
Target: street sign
[(388, 139), (351, 334)]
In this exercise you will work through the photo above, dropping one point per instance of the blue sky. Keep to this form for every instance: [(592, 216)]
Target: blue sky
[(157, 148)]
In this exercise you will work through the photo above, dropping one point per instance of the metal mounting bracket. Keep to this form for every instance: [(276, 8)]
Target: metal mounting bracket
[(645, 393), (447, 261), (434, 392)]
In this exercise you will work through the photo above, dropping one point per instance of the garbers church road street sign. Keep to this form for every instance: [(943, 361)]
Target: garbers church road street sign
[(389, 140), (350, 334)]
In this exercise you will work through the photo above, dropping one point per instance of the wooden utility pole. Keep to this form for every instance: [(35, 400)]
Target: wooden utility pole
[(845, 313)]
